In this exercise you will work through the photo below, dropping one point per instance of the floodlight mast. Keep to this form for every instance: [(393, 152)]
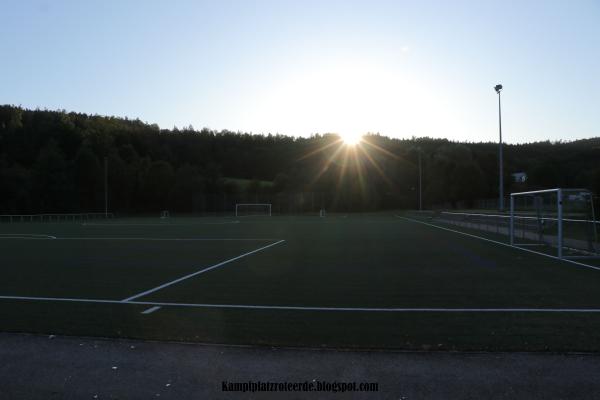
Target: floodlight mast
[(420, 183), (498, 89), (105, 187)]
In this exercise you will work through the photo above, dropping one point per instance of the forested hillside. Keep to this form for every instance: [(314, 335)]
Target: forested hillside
[(53, 161)]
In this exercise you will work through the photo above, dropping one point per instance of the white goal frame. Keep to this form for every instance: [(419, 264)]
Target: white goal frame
[(266, 205), (560, 192)]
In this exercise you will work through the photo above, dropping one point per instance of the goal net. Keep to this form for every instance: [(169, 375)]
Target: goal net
[(252, 209), (559, 221)]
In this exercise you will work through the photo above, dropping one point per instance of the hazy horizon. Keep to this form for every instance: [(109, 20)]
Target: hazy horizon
[(397, 69), (200, 128)]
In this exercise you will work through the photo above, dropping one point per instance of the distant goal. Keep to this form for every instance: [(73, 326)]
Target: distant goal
[(253, 209)]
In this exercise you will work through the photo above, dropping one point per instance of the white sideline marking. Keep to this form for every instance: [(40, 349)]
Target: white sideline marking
[(25, 236), (500, 243), (163, 224), (151, 310), (309, 308), (168, 239), (28, 236), (164, 285)]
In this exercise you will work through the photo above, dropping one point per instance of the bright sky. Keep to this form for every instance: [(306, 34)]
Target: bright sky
[(300, 67)]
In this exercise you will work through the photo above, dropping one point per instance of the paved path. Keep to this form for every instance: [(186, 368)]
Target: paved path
[(46, 367)]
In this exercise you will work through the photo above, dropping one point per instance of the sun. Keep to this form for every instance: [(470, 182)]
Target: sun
[(351, 139)]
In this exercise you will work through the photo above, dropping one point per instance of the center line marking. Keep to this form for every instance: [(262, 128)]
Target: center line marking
[(151, 310)]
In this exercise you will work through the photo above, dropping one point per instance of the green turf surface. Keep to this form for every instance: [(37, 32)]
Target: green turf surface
[(360, 261)]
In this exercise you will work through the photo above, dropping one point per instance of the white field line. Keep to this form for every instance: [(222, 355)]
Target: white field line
[(25, 236), (309, 308), (164, 285), (159, 224), (500, 243), (170, 239), (151, 310)]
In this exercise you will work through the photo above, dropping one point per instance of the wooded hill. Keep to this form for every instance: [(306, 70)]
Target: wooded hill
[(53, 161)]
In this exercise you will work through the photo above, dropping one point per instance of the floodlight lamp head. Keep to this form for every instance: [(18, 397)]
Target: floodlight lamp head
[(498, 88)]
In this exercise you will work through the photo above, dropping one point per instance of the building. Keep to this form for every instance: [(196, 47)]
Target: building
[(519, 177)]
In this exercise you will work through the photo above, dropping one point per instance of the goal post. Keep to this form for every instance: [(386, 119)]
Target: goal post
[(253, 209), (558, 221)]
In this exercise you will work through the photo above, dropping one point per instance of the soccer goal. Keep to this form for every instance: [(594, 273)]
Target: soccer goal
[(558, 221), (253, 209), (164, 214)]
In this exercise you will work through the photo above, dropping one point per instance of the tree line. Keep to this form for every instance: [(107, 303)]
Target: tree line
[(54, 162)]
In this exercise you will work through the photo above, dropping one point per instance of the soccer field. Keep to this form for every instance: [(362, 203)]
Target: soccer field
[(367, 281)]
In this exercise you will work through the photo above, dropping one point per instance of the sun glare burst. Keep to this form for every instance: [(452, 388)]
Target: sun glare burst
[(348, 157), (351, 139)]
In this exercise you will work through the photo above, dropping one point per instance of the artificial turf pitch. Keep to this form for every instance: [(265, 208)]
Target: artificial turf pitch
[(357, 281)]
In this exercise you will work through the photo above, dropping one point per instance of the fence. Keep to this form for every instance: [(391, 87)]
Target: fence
[(54, 217)]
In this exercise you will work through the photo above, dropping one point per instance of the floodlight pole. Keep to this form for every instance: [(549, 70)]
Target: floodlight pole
[(498, 88), (420, 186), (105, 187)]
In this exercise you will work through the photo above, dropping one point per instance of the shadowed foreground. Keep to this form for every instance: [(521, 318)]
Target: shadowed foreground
[(71, 367)]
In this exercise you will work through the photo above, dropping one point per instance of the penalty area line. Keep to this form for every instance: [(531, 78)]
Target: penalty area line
[(154, 304), (25, 236), (173, 282), (170, 239), (160, 224)]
